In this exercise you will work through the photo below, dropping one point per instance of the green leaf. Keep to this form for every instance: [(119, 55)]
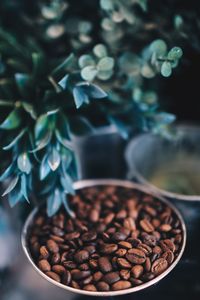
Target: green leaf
[(54, 159), (166, 69), (44, 168), (29, 109), (24, 163), (80, 126), (15, 140), (106, 64), (89, 73), (12, 121), (63, 141), (6, 103), (43, 142), (8, 172), (121, 127), (54, 203), (11, 186), (178, 21), (41, 126), (67, 183), (105, 75), (63, 82), (15, 197), (66, 205), (86, 60), (159, 46), (38, 64), (164, 118), (80, 97), (24, 187), (93, 91), (100, 51), (106, 5), (23, 84), (175, 53), (63, 68)]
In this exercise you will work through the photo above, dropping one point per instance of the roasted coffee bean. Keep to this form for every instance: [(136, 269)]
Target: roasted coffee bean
[(58, 269), (78, 275), (81, 256), (104, 264), (123, 263), (124, 274), (145, 248), (137, 271), (159, 266), (165, 227), (103, 286), (52, 246), (66, 279), (147, 264), (167, 245), (108, 248), (169, 256), (129, 223), (136, 256), (121, 252), (119, 236), (119, 239), (121, 214), (125, 245), (53, 276), (97, 276), (44, 252), (84, 267), (89, 236), (146, 225), (90, 287), (121, 285), (68, 264), (111, 277), (44, 265)]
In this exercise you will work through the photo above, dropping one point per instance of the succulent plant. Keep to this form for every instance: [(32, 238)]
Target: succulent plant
[(57, 64)]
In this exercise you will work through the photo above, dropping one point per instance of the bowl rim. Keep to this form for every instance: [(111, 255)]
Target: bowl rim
[(98, 182), (142, 180)]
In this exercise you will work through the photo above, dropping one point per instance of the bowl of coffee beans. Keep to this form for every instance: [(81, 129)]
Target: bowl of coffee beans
[(122, 239)]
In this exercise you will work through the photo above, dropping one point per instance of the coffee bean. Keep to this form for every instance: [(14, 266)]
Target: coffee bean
[(125, 245), (72, 236), (57, 231), (81, 256), (169, 256), (147, 264), (157, 250), (145, 248), (150, 210), (167, 245), (159, 266), (53, 276), (129, 223), (52, 246), (149, 240), (87, 280), (75, 284), (78, 275), (146, 225), (66, 279), (68, 264), (121, 252), (121, 214), (136, 282), (136, 256), (91, 249), (58, 269), (104, 264), (90, 287), (57, 239), (97, 276), (111, 277), (103, 286), (121, 285), (44, 252), (119, 236), (44, 265), (125, 274), (94, 215), (84, 267), (165, 227), (93, 263), (147, 276), (123, 263), (108, 248), (55, 259), (89, 236), (137, 271)]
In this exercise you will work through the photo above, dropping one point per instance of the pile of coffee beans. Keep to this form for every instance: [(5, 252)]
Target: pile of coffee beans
[(120, 238)]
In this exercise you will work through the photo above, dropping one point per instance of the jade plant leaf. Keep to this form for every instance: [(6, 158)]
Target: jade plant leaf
[(24, 163), (11, 185), (12, 121), (54, 159), (54, 202)]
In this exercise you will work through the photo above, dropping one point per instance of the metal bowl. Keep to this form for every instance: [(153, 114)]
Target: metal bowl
[(98, 182)]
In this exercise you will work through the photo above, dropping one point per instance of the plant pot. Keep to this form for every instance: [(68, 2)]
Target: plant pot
[(97, 183)]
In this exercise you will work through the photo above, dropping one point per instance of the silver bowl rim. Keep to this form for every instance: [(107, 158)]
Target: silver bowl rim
[(153, 188), (98, 182)]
